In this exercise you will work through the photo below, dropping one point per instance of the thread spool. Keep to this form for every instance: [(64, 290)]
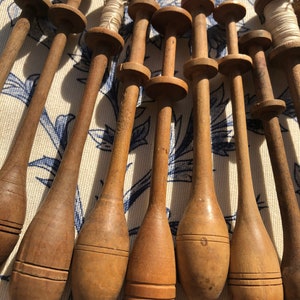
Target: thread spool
[(202, 242), (37, 267), (102, 258), (151, 268), (30, 10), (280, 20), (267, 109), (254, 271)]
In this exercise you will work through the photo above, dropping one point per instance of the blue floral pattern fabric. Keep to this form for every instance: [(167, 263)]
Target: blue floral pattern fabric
[(62, 105)]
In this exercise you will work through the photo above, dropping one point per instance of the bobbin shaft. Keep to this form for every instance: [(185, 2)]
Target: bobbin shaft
[(14, 169), (35, 258), (268, 110), (252, 274), (16, 39), (151, 269), (202, 242), (103, 258)]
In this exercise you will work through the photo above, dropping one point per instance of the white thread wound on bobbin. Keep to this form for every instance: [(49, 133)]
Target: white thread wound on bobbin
[(281, 21), (112, 15)]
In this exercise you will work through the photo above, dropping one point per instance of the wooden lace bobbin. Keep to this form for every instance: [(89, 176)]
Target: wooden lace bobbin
[(202, 242), (30, 10), (254, 271), (102, 247), (267, 109), (286, 48), (151, 272), (32, 260), (14, 169)]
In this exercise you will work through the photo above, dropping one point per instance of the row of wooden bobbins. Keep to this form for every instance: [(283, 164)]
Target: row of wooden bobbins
[(151, 270)]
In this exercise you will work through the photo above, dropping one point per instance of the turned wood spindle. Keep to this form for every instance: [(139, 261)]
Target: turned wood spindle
[(101, 251), (267, 109), (151, 268), (104, 43), (202, 241), (32, 260), (281, 21), (30, 10), (13, 173), (254, 271)]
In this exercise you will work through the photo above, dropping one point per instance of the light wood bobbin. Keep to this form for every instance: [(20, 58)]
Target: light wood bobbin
[(285, 55), (202, 242), (100, 261), (151, 272), (267, 109), (30, 9), (14, 170), (254, 271), (39, 271)]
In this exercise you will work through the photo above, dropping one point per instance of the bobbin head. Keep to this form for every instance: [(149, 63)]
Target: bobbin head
[(195, 6), (258, 37), (202, 66), (173, 17), (60, 13), (146, 7), (41, 7), (106, 38), (166, 87), (229, 10)]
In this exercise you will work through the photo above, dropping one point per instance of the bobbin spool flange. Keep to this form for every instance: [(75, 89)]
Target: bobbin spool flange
[(110, 39), (202, 65), (206, 6), (166, 87), (144, 6), (232, 10), (133, 71), (267, 108), (40, 7), (174, 17), (62, 13)]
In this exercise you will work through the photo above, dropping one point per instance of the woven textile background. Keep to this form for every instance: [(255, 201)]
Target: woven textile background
[(63, 103)]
